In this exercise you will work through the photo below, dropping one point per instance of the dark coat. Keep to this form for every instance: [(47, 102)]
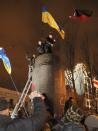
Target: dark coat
[(70, 126), (67, 104), (40, 49), (48, 47), (35, 123)]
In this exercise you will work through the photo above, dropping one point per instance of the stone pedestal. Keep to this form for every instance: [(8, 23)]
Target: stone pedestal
[(42, 75)]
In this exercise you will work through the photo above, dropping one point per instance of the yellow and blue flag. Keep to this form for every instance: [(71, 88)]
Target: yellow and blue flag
[(48, 18), (5, 60)]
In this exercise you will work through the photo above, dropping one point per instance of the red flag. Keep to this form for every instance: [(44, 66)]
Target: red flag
[(95, 83), (81, 18), (82, 15)]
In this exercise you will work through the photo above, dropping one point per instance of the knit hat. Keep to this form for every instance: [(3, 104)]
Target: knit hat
[(4, 104)]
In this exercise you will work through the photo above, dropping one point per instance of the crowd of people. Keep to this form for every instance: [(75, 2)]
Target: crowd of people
[(43, 119)]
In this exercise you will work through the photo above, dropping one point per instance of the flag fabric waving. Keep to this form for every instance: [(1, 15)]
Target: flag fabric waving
[(48, 18), (82, 15), (95, 83), (5, 60)]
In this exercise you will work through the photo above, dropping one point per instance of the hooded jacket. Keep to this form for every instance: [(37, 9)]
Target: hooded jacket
[(35, 123)]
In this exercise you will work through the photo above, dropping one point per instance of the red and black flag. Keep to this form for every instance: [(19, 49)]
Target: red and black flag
[(82, 15)]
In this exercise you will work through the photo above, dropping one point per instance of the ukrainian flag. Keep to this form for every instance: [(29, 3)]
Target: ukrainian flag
[(47, 18), (5, 60)]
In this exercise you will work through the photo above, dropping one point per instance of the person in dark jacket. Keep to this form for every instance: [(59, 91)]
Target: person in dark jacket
[(41, 47), (68, 104), (48, 103), (35, 123), (49, 43)]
